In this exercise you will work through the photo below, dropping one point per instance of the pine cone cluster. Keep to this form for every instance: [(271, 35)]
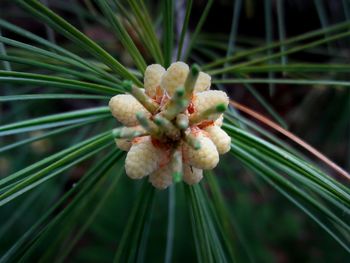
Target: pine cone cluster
[(172, 127)]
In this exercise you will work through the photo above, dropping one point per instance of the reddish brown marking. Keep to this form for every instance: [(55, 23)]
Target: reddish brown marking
[(160, 145), (137, 140), (205, 124), (156, 143), (190, 107), (159, 95), (195, 130)]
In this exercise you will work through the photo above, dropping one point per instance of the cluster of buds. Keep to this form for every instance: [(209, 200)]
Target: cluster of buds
[(172, 127)]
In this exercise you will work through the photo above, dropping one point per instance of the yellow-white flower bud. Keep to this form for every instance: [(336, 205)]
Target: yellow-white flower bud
[(175, 76), (219, 121), (206, 157), (205, 100), (192, 175), (181, 117), (142, 159), (203, 82), (123, 144), (220, 138), (152, 78), (124, 107), (161, 178)]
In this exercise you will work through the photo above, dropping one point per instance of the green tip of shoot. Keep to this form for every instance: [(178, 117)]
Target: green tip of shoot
[(196, 145), (182, 124), (116, 133), (193, 141), (127, 85), (191, 80), (182, 121), (158, 120), (127, 132), (195, 69), (221, 107), (177, 176), (180, 91)]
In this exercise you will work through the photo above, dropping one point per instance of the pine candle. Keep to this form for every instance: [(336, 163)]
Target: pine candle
[(172, 127)]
